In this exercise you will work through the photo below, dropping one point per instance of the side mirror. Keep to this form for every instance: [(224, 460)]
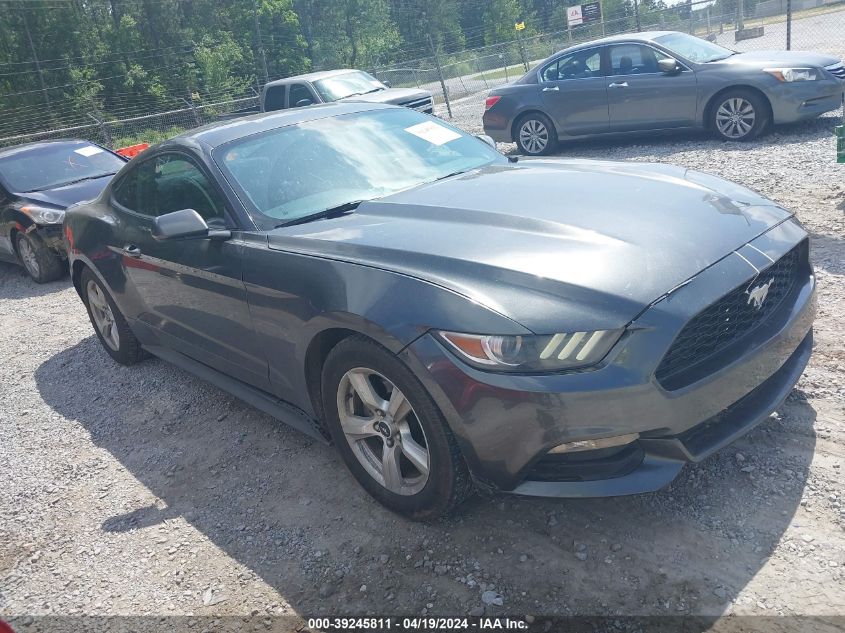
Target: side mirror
[(668, 66), (487, 140), (387, 83), (185, 224), (303, 102)]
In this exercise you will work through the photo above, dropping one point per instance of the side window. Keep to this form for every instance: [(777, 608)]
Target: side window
[(578, 65), (274, 98), (179, 184), (632, 59), (134, 188), (298, 92)]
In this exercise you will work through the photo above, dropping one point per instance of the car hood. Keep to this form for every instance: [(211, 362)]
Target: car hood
[(769, 59), (391, 95), (64, 197), (606, 238)]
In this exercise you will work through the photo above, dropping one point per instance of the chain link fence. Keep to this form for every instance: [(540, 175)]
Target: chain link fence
[(817, 25)]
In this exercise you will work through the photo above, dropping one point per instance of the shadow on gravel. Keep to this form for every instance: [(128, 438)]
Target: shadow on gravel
[(286, 509), (669, 142), (16, 284), (828, 253)]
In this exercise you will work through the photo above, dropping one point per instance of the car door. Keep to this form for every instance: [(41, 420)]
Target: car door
[(189, 292), (641, 97), (574, 93), (7, 251)]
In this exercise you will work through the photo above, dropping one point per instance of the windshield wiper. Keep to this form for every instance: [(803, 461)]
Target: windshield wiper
[(331, 212), (371, 91), (73, 182)]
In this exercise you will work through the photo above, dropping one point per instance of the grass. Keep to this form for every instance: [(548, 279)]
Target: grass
[(512, 72)]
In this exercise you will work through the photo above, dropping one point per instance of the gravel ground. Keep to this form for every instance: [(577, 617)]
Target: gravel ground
[(146, 491)]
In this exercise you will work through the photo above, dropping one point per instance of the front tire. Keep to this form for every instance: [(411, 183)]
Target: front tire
[(109, 323), (40, 263), (535, 134), (390, 433), (739, 115)]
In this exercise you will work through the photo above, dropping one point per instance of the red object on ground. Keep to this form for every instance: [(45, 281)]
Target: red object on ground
[(5, 628), (132, 151)]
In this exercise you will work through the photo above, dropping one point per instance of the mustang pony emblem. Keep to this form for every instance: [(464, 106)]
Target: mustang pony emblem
[(758, 295)]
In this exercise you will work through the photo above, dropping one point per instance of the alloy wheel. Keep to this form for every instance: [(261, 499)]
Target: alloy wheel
[(534, 136), (735, 117), (103, 315), (383, 431), (28, 257)]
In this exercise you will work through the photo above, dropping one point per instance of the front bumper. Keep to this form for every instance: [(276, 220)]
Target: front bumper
[(53, 237), (802, 100), (506, 424)]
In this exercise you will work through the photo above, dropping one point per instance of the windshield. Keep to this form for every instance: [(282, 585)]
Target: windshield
[(693, 48), (347, 85), (52, 165), (299, 170)]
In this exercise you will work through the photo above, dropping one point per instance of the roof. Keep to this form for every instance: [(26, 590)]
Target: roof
[(221, 132), (321, 74), (645, 36)]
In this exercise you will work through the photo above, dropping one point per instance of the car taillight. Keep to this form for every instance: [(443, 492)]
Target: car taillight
[(491, 101)]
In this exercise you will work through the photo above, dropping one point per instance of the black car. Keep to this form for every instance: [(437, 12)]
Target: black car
[(38, 182), (449, 318)]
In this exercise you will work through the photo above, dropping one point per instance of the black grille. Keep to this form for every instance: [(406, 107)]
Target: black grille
[(837, 70), (423, 105), (724, 322)]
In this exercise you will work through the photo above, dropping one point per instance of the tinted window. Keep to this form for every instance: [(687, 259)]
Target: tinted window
[(633, 59), (169, 183), (274, 98), (52, 165), (294, 171), (578, 65), (298, 92)]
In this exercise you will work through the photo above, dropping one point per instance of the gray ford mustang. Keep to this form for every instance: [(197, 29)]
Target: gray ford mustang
[(656, 81), (451, 319)]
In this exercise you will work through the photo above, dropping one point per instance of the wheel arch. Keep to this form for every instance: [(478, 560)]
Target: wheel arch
[(713, 100), (326, 338)]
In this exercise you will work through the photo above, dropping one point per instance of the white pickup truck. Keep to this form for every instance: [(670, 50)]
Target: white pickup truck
[(335, 85)]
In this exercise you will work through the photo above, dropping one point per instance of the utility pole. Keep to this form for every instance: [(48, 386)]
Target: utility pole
[(789, 25), (37, 63), (259, 40), (637, 15), (440, 74)]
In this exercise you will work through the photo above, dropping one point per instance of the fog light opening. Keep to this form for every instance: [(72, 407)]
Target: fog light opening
[(591, 445)]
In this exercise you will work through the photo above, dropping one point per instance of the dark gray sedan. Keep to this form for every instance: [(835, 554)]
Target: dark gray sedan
[(657, 81), (452, 320)]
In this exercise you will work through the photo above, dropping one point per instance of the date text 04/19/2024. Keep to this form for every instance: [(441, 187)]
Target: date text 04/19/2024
[(421, 623)]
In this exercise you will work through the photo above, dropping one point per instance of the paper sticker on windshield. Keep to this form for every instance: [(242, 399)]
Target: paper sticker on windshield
[(88, 151), (433, 133)]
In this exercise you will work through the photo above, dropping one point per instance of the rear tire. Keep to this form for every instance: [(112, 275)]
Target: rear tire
[(739, 115), (409, 463), (109, 324), (40, 263), (535, 134)]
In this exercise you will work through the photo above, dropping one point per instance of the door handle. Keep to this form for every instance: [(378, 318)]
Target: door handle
[(623, 84), (551, 88), (131, 250)]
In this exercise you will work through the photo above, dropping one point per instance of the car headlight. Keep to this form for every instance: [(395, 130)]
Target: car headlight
[(43, 215), (552, 352), (793, 74)]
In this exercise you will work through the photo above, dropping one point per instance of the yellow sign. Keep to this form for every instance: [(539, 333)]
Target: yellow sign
[(519, 26)]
